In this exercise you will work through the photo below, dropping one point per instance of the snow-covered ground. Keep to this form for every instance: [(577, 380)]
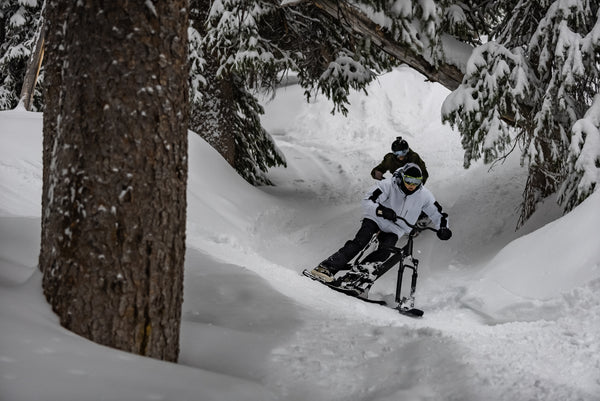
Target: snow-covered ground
[(509, 315)]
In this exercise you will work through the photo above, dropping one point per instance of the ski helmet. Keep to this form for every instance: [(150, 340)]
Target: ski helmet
[(410, 174), (400, 147)]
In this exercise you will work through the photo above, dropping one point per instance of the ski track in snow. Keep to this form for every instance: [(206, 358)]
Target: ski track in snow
[(349, 350)]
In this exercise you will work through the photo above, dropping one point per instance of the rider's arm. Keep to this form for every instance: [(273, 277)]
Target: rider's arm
[(434, 210), (377, 172), (383, 167), (377, 194)]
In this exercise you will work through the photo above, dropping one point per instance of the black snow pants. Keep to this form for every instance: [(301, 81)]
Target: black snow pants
[(339, 260)]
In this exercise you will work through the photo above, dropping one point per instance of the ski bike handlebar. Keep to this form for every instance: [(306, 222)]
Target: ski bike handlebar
[(413, 226)]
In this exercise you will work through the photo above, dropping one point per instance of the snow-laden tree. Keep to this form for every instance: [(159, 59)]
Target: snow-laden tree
[(19, 28), (251, 46), (531, 86), (222, 110), (527, 85), (334, 47), (583, 174), (329, 44)]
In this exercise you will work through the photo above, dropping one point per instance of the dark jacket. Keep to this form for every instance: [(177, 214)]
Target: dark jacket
[(391, 163)]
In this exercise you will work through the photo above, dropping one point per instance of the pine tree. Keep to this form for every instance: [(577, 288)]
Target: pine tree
[(252, 45), (223, 112), (19, 26), (527, 86), (333, 47), (322, 42), (539, 75)]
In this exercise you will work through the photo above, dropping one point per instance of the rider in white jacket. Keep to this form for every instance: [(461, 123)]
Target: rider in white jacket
[(407, 204), (402, 195)]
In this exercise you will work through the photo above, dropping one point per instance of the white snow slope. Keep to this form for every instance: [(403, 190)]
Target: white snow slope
[(509, 315)]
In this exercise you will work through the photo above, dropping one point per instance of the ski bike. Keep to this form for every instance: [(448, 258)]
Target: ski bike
[(363, 272)]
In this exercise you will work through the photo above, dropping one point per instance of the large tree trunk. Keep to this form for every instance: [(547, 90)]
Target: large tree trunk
[(115, 171)]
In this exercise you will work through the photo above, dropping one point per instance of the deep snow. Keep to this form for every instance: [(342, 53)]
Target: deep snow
[(510, 315)]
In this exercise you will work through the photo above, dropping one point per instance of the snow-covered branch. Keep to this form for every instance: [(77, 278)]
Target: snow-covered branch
[(447, 74)]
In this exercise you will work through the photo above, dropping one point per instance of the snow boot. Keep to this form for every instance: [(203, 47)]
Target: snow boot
[(323, 274)]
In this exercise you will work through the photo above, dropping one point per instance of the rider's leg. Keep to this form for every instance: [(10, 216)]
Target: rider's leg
[(339, 260), (386, 241)]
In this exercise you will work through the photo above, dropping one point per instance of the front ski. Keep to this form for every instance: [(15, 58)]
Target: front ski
[(412, 312), (355, 294)]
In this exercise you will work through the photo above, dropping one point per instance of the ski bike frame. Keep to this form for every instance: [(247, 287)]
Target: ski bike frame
[(405, 260), (413, 264)]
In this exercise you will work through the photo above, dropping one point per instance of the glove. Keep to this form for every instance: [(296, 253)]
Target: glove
[(386, 213), (444, 233)]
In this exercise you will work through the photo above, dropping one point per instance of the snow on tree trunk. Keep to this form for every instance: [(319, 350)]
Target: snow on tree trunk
[(214, 119), (115, 171)]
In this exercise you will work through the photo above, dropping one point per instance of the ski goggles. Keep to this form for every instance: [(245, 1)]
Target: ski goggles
[(412, 180), (401, 153)]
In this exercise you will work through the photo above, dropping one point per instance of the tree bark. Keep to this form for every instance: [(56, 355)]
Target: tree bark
[(115, 171), (214, 121)]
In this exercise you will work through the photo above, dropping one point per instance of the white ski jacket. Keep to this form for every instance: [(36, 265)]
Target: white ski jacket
[(389, 194)]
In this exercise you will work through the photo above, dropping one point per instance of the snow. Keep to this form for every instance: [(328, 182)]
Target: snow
[(151, 7), (18, 19), (590, 149), (509, 315), (28, 3)]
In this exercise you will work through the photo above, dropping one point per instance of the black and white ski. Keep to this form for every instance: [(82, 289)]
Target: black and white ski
[(354, 294), (412, 312)]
